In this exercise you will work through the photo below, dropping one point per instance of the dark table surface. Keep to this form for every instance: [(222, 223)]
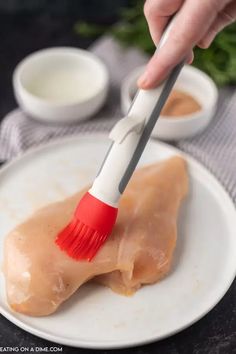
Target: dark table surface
[(216, 332)]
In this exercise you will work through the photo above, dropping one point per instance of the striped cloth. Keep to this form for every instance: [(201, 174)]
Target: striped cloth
[(215, 147)]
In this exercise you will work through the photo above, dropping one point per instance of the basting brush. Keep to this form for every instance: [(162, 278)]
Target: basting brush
[(96, 212)]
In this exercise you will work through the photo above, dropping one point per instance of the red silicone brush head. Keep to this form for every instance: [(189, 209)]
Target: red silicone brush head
[(91, 225)]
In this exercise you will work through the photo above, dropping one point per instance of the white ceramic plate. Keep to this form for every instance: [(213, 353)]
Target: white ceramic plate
[(95, 317)]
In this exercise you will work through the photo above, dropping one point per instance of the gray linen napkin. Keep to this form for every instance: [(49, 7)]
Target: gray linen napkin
[(215, 147)]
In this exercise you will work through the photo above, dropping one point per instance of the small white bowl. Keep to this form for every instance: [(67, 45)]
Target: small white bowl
[(192, 81), (61, 84)]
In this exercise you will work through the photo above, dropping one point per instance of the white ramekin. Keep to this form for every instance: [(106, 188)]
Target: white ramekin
[(53, 60)]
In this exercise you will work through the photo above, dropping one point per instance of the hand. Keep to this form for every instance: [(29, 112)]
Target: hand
[(197, 23)]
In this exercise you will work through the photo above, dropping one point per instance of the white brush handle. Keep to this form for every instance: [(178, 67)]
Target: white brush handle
[(130, 136)]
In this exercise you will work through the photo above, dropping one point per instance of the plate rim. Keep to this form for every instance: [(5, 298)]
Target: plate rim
[(9, 315)]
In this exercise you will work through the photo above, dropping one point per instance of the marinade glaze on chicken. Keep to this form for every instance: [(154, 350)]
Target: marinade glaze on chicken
[(39, 277)]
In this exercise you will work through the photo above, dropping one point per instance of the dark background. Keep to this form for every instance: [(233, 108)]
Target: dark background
[(29, 25)]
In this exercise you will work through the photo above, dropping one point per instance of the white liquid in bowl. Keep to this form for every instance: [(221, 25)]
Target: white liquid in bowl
[(62, 85)]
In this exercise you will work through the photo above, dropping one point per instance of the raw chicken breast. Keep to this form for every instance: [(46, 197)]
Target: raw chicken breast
[(39, 277)]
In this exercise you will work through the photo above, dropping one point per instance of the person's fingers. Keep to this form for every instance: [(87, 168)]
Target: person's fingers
[(190, 57), (157, 13), (224, 18), (157, 70), (191, 24)]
